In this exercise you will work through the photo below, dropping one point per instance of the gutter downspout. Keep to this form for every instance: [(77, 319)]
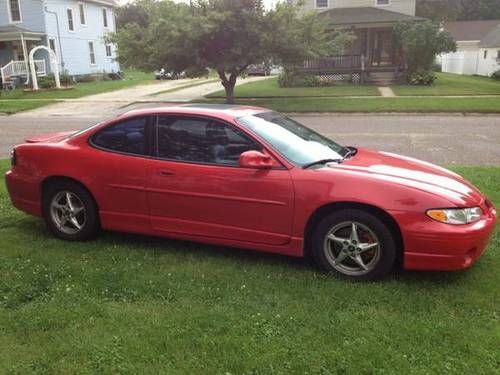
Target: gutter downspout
[(58, 36)]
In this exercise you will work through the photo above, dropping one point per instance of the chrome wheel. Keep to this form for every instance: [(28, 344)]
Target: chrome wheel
[(352, 248), (67, 212)]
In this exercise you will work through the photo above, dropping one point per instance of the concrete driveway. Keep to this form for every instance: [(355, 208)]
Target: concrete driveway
[(445, 140)]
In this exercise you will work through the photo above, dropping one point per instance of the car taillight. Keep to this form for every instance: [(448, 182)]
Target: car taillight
[(13, 158)]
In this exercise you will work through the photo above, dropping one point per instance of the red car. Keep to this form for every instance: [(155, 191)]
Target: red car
[(252, 178)]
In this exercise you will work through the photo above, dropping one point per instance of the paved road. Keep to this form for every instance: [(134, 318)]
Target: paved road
[(445, 140)]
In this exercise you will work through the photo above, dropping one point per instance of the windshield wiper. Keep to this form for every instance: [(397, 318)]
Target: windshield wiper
[(322, 161)]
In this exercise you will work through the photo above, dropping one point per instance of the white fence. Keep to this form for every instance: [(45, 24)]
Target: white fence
[(18, 68)]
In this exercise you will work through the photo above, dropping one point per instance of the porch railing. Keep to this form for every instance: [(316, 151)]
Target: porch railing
[(334, 62), (18, 68)]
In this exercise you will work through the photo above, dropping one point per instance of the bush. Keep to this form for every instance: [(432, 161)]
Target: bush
[(47, 82), (496, 75), (197, 72), (422, 78), (289, 77), (436, 67)]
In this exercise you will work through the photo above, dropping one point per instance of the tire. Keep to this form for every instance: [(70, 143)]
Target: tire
[(60, 216), (370, 255)]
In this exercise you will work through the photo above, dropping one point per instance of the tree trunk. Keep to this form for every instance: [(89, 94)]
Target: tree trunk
[(229, 87)]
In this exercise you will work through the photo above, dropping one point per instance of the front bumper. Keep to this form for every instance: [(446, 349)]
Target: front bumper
[(433, 246)]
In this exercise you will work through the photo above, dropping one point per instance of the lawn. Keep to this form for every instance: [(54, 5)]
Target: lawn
[(453, 84), (269, 88), (13, 106), (130, 304), (350, 105), (18, 100)]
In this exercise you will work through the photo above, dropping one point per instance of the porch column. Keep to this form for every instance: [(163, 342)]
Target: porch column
[(25, 54)]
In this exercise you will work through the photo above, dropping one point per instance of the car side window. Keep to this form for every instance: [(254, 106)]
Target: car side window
[(128, 136), (199, 140)]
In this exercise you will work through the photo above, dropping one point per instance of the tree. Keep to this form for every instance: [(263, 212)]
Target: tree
[(459, 10), (421, 42), (224, 35)]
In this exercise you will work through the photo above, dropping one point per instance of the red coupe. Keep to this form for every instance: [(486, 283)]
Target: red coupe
[(252, 178)]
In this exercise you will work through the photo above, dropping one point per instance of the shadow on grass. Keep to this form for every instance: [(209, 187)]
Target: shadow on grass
[(253, 258)]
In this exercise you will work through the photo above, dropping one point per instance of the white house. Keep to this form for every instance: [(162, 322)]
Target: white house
[(74, 29), (478, 48)]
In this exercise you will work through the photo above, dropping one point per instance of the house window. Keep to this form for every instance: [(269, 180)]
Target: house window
[(92, 53), (52, 45), (485, 54), (321, 3), (109, 52), (15, 10), (81, 8), (383, 2), (105, 17), (71, 24)]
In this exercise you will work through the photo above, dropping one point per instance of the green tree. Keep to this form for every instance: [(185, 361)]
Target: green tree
[(421, 42), (453, 10), (224, 35)]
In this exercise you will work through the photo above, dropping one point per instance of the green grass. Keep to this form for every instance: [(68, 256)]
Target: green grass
[(13, 106), (19, 100), (453, 84), (132, 78), (425, 105), (130, 304), (269, 88)]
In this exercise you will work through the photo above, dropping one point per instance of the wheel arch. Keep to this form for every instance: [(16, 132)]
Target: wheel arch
[(329, 208), (51, 180)]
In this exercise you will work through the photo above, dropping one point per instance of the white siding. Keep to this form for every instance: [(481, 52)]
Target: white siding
[(470, 59), (400, 6), (75, 45)]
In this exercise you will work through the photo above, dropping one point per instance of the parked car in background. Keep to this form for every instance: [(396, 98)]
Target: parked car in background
[(259, 70), (162, 74), (251, 178)]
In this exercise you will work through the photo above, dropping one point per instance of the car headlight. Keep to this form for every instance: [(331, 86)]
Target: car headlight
[(456, 215), (13, 157)]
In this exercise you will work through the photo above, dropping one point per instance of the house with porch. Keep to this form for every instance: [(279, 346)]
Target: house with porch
[(74, 29), (372, 56)]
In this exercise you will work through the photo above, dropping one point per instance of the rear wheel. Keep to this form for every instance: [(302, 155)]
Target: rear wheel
[(70, 211), (354, 244)]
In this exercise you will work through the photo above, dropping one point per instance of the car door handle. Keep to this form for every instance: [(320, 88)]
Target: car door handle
[(165, 172)]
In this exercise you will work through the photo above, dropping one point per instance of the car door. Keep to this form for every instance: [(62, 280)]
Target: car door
[(197, 188), (121, 153)]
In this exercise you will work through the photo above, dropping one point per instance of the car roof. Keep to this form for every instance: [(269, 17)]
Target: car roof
[(222, 111)]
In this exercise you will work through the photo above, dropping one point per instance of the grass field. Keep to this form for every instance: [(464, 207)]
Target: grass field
[(453, 84), (129, 304), (269, 88), (374, 105)]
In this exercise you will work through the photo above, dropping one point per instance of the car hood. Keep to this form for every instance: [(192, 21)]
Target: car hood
[(49, 137), (413, 173)]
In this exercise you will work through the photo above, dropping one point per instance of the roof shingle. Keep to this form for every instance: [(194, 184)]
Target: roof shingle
[(353, 16)]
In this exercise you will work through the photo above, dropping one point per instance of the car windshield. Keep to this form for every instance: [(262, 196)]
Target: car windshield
[(297, 143)]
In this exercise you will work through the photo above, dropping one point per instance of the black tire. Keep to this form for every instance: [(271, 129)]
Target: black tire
[(338, 256), (89, 225)]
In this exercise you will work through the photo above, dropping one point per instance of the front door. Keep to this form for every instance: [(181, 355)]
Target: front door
[(382, 51), (197, 188)]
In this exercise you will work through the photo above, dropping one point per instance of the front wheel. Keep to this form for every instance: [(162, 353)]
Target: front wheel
[(70, 211), (354, 244)]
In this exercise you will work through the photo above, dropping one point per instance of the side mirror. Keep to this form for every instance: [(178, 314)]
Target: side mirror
[(256, 160)]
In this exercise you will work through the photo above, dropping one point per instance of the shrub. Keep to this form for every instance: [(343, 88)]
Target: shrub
[(197, 72), (289, 77), (496, 75), (422, 77), (47, 82), (436, 67)]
